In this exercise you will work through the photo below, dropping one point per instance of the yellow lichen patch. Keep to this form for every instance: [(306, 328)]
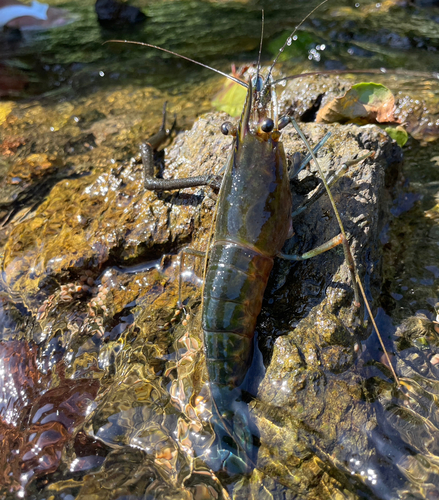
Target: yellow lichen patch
[(5, 109)]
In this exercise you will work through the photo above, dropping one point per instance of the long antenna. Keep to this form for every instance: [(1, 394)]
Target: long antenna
[(230, 77), (288, 40), (260, 47)]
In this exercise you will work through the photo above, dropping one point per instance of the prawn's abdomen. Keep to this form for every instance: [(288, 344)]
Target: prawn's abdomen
[(252, 223), (235, 283)]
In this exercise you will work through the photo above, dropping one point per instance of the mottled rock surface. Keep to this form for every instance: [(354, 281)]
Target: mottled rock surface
[(90, 283)]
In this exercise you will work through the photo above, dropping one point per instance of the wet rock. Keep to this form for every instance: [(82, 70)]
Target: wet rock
[(113, 14), (304, 97), (112, 218), (81, 144), (33, 141), (310, 408), (420, 121), (87, 268)]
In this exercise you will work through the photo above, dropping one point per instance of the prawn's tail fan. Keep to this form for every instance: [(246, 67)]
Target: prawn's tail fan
[(237, 437)]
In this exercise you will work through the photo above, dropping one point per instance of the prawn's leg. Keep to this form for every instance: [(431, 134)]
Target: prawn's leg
[(337, 240), (283, 122), (330, 181), (186, 251), (151, 182), (295, 170)]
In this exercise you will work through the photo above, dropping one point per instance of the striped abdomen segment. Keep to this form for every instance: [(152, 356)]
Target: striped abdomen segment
[(234, 287)]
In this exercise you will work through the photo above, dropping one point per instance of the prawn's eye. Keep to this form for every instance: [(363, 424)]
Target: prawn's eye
[(227, 128), (258, 83), (267, 125)]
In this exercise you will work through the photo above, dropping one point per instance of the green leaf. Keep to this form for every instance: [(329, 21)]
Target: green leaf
[(372, 94), (230, 99), (398, 134)]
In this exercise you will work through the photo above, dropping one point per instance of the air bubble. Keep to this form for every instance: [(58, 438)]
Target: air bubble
[(289, 41)]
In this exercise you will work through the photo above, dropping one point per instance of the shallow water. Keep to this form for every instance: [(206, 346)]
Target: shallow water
[(81, 108), (338, 35)]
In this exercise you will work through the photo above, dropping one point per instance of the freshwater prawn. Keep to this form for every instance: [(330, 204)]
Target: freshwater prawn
[(253, 220)]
